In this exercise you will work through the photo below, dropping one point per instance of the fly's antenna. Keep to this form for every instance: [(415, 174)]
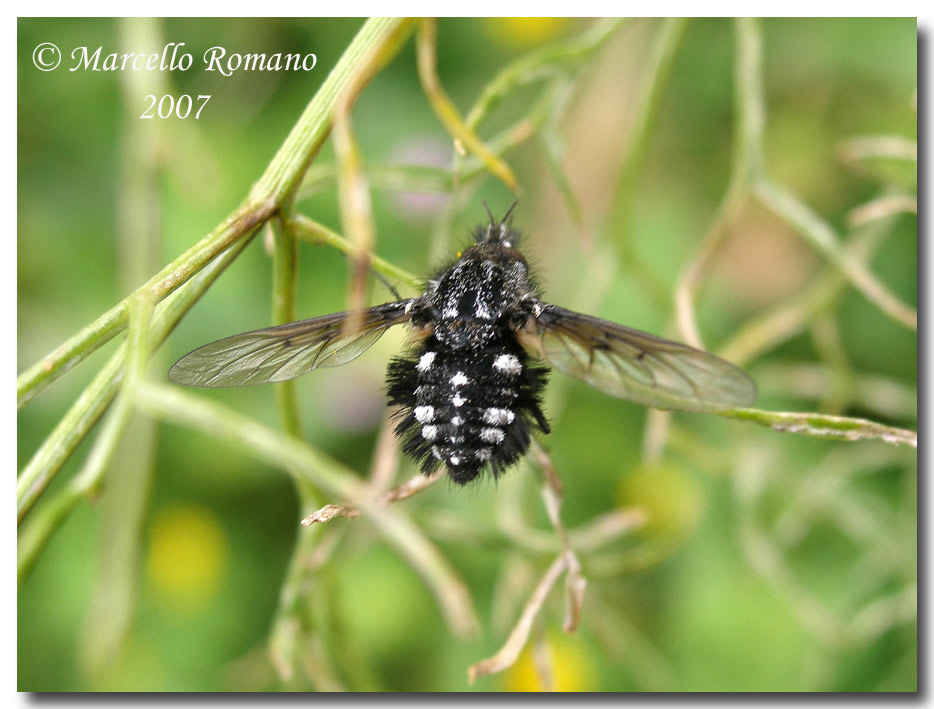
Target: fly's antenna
[(497, 231), (508, 212), (489, 213)]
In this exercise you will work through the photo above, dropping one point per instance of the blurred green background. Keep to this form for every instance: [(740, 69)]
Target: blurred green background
[(770, 562)]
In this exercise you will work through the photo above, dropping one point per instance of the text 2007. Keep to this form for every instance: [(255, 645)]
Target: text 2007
[(168, 106)]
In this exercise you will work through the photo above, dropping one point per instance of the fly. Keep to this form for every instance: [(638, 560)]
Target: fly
[(468, 392)]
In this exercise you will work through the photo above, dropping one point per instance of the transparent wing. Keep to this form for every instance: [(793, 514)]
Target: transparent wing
[(635, 365), (276, 354)]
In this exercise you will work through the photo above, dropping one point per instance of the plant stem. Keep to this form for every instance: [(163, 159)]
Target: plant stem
[(376, 43), (310, 230), (749, 111), (307, 464), (378, 40), (824, 240), (87, 482), (541, 64), (87, 409), (646, 104), (284, 265), (427, 55), (240, 224), (825, 426)]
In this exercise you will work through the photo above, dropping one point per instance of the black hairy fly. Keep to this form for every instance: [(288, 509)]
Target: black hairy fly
[(469, 391)]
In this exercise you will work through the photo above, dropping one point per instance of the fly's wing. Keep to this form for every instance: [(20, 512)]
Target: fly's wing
[(635, 365), (276, 354)]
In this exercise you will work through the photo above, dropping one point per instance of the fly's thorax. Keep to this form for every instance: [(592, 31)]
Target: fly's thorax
[(469, 303), (465, 335)]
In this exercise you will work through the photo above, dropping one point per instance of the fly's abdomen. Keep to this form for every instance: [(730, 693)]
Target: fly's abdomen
[(468, 409)]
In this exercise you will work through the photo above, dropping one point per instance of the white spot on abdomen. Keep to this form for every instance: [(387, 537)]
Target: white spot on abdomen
[(507, 363), (425, 362), (458, 400), (424, 414), (429, 432), (498, 417), (459, 379), (492, 435)]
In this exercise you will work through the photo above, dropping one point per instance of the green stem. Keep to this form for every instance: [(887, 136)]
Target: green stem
[(446, 111), (749, 110), (307, 464), (646, 105), (825, 426), (291, 633), (310, 230), (541, 64), (239, 225), (284, 265), (825, 241), (376, 43), (88, 480), (378, 40), (95, 399)]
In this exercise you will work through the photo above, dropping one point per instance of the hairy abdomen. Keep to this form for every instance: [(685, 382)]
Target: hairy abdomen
[(467, 408)]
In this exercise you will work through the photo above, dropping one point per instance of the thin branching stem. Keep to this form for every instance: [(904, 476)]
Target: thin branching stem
[(824, 240), (509, 652), (645, 107), (335, 480), (88, 480), (131, 466), (316, 233), (825, 426), (559, 58), (575, 583), (749, 112), (284, 267), (427, 55), (94, 400), (378, 40)]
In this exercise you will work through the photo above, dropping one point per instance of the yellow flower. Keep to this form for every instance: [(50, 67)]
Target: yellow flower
[(187, 556), (525, 31), (673, 501), (570, 664)]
